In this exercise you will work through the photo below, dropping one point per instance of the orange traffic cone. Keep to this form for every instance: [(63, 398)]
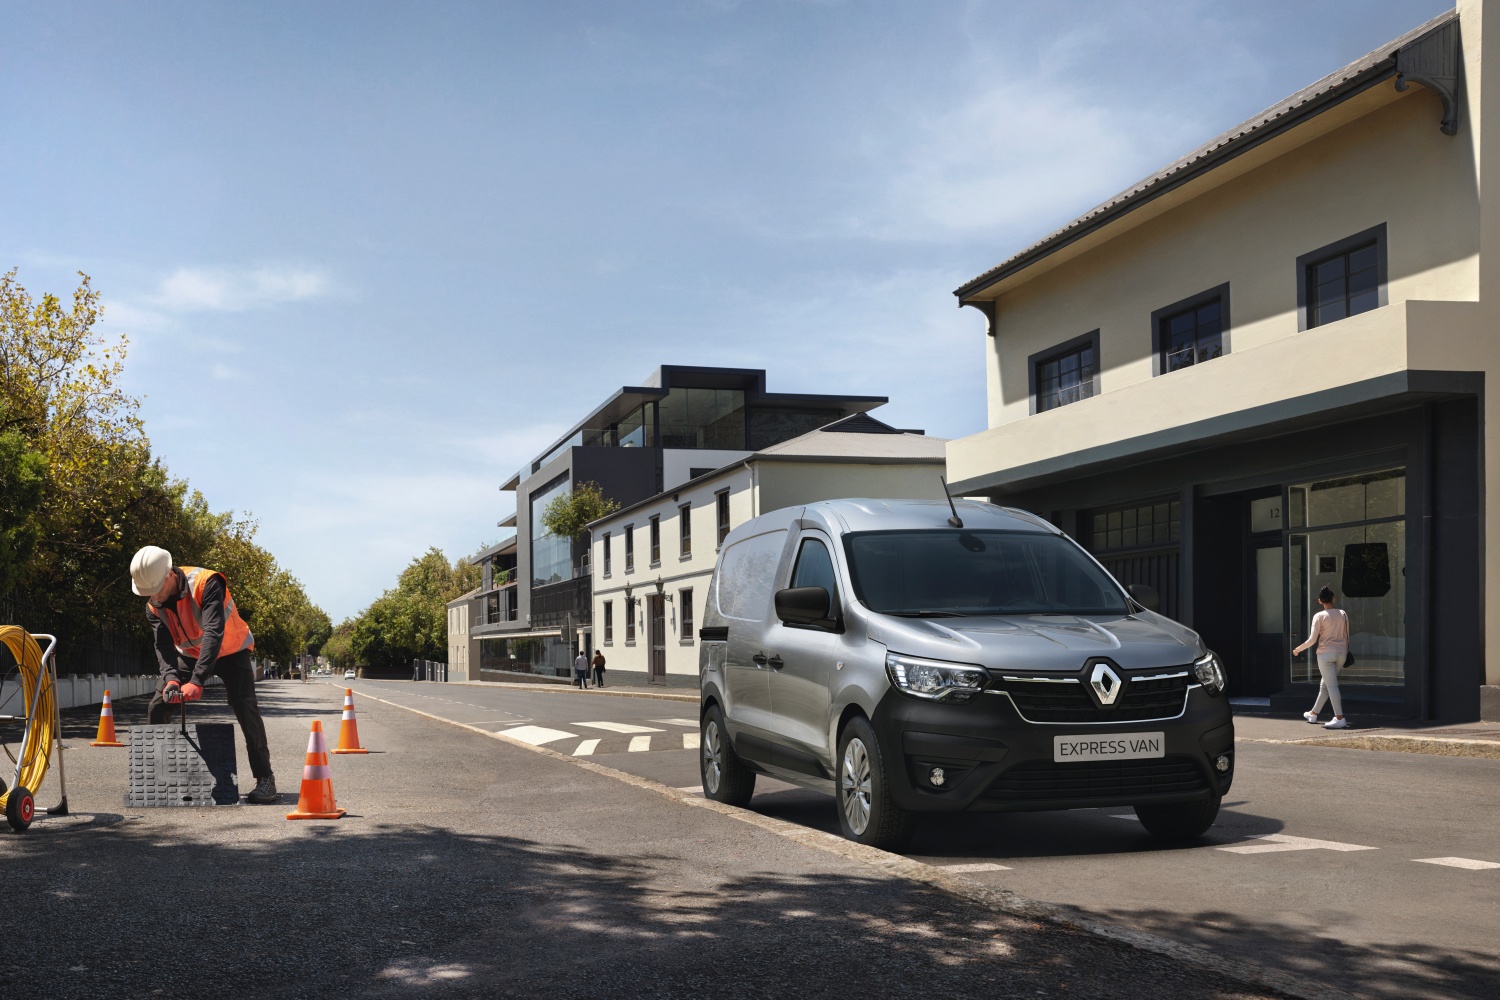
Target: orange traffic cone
[(106, 737), (316, 800), (349, 728)]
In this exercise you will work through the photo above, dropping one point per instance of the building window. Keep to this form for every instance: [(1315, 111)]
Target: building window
[(630, 620), (721, 511), (629, 547), (609, 623), (655, 540), (685, 613), (1065, 374), (551, 556), (685, 529), (1342, 279), (1137, 526), (607, 562), (1191, 331)]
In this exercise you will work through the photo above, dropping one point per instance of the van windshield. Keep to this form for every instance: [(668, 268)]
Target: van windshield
[(960, 572)]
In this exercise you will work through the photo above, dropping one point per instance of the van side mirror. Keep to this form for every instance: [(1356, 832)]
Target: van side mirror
[(803, 606), (1145, 595)]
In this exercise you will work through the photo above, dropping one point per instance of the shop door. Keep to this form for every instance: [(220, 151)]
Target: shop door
[(1265, 628), (656, 614)]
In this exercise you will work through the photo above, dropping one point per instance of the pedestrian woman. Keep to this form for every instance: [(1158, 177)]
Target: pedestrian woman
[(598, 668), (1330, 631)]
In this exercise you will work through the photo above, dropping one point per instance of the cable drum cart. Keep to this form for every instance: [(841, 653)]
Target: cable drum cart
[(31, 703)]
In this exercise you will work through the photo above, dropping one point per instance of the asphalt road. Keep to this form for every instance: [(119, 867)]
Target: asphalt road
[(469, 866), (1317, 864)]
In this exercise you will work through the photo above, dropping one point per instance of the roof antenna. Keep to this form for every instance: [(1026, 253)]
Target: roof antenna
[(954, 519)]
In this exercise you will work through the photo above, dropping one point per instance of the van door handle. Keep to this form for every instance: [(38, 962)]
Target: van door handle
[(759, 659), (776, 662)]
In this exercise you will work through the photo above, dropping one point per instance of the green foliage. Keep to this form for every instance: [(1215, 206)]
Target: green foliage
[(65, 420), (568, 514), (409, 621), (23, 476)]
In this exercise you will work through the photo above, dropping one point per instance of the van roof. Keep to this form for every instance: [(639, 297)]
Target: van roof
[(862, 514)]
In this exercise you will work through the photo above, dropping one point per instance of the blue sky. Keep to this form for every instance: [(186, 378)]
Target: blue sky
[(372, 257)]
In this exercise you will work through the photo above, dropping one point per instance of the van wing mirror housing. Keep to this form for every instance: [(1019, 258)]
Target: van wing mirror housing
[(804, 606), (1145, 595)]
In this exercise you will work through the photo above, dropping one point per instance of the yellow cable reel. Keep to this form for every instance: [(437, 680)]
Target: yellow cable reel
[(38, 704)]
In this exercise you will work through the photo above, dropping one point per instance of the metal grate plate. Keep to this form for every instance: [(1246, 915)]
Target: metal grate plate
[(168, 768)]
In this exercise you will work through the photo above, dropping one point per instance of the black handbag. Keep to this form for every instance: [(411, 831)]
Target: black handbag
[(1348, 659)]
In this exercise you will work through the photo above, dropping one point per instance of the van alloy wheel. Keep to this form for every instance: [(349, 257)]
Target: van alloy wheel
[(713, 759), (855, 786)]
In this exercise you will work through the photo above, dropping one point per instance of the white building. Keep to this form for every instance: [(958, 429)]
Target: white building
[(652, 560)]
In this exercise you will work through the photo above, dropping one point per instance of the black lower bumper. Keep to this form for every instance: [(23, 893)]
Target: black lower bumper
[(990, 759)]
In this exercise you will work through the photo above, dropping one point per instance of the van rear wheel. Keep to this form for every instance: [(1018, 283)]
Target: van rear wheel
[(1180, 821), (867, 813), (725, 778)]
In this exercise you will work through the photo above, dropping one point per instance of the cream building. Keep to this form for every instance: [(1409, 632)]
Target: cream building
[(1262, 370), (651, 561)]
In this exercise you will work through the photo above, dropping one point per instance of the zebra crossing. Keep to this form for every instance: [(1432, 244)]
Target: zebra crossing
[(580, 739)]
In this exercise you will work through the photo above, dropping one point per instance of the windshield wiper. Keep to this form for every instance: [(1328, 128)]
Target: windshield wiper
[(924, 613)]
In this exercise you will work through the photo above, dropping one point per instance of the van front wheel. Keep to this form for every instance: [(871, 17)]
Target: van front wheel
[(1181, 821), (725, 778), (867, 813)]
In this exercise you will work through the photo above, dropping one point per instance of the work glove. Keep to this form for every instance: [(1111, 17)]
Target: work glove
[(191, 692), (171, 693)]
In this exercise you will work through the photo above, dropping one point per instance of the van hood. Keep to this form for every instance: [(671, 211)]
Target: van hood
[(1061, 643)]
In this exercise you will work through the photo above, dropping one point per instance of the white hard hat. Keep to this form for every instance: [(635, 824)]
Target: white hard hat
[(149, 569)]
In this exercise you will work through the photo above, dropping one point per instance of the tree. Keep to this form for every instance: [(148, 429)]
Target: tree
[(23, 475), (568, 514), (409, 621)]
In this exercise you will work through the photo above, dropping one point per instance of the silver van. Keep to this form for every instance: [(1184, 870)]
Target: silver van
[(910, 658)]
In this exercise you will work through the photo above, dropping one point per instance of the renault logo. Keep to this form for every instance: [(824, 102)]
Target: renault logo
[(1106, 684)]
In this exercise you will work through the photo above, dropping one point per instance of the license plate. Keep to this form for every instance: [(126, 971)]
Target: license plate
[(1108, 746)]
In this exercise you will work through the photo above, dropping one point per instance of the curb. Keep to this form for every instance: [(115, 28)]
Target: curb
[(569, 689), (1442, 746), (896, 866)]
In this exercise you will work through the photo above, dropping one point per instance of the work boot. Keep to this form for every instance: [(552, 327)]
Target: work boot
[(264, 793)]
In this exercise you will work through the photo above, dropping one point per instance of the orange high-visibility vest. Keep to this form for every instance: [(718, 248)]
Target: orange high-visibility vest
[(184, 619)]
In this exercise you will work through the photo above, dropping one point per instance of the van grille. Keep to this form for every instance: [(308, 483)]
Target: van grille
[(1141, 701), (1044, 780)]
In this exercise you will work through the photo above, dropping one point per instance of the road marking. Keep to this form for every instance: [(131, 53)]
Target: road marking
[(640, 743), (982, 866), (617, 727), (1468, 863), (536, 735), (586, 748), (1269, 843), (689, 741), (690, 723)]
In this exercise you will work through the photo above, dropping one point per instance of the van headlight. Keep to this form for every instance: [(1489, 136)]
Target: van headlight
[(1210, 673), (934, 679)]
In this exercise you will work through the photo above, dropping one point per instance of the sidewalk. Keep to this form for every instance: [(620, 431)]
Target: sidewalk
[(1470, 739)]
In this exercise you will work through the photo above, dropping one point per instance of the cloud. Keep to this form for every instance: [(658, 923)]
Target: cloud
[(223, 372), (190, 289)]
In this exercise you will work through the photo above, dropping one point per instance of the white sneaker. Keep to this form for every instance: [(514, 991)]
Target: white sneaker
[(1336, 724), (1310, 717)]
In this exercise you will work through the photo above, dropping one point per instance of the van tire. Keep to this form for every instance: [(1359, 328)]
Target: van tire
[(1180, 821), (888, 826), (736, 782)]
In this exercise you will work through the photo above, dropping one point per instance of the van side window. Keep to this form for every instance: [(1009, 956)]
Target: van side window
[(747, 572), (815, 568)]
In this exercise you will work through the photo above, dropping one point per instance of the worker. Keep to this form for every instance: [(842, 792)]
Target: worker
[(199, 633)]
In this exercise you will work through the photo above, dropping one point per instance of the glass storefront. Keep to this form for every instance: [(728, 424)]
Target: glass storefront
[(548, 655), (1349, 535)]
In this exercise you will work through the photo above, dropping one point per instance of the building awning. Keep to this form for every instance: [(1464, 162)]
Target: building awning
[(539, 634)]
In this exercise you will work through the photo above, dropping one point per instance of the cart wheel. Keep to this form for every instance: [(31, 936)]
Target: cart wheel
[(20, 809)]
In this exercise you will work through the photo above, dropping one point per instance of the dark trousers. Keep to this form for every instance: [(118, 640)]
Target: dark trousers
[(239, 683), (599, 676)]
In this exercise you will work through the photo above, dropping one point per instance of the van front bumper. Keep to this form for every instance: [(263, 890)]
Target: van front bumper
[(993, 760)]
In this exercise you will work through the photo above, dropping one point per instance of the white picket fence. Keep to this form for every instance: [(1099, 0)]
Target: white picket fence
[(88, 689)]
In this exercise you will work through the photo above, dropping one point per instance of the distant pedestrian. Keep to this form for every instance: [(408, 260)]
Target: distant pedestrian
[(1330, 631), (581, 670), (598, 668)]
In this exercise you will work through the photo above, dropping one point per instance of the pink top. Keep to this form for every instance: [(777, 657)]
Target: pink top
[(1330, 630)]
